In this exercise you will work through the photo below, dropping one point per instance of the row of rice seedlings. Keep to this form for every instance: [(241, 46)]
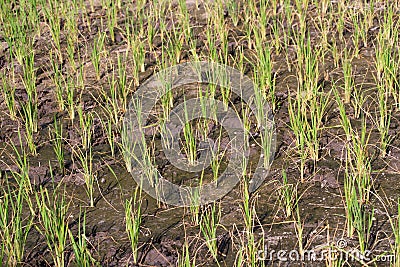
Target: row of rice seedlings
[(133, 218), (14, 226), (53, 226)]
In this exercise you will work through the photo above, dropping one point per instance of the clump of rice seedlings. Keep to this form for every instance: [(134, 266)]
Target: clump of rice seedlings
[(8, 91), (57, 140), (189, 144), (30, 106), (264, 72), (86, 127), (209, 222), (85, 158), (70, 90), (110, 134), (308, 130), (348, 76), (21, 160), (133, 218), (249, 247), (14, 227), (53, 225), (59, 82), (384, 119), (97, 51), (357, 217), (184, 259), (299, 228), (288, 193), (111, 13), (52, 12), (123, 86), (79, 244)]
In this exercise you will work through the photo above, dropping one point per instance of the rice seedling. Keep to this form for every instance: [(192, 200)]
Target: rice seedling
[(133, 218), (85, 157), (59, 82), (21, 160), (51, 12), (384, 119), (184, 259), (86, 127), (348, 76), (208, 226), (14, 226), (79, 244), (288, 194), (112, 12), (97, 51), (53, 217), (8, 91), (30, 106)]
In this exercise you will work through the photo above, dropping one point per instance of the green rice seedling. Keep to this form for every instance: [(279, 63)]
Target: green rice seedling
[(123, 85), (358, 100), (133, 218), (234, 9), (14, 227), (82, 255), (138, 53), (189, 145), (184, 259), (97, 51), (21, 160), (288, 193), (8, 91), (112, 15), (51, 10), (57, 138), (208, 226), (264, 72), (348, 76), (59, 82), (109, 131), (53, 226), (299, 229), (358, 219), (70, 90), (384, 119), (387, 65), (85, 158), (30, 106), (298, 124), (184, 21), (86, 127)]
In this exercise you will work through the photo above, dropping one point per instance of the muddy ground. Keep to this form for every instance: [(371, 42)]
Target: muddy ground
[(164, 228)]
